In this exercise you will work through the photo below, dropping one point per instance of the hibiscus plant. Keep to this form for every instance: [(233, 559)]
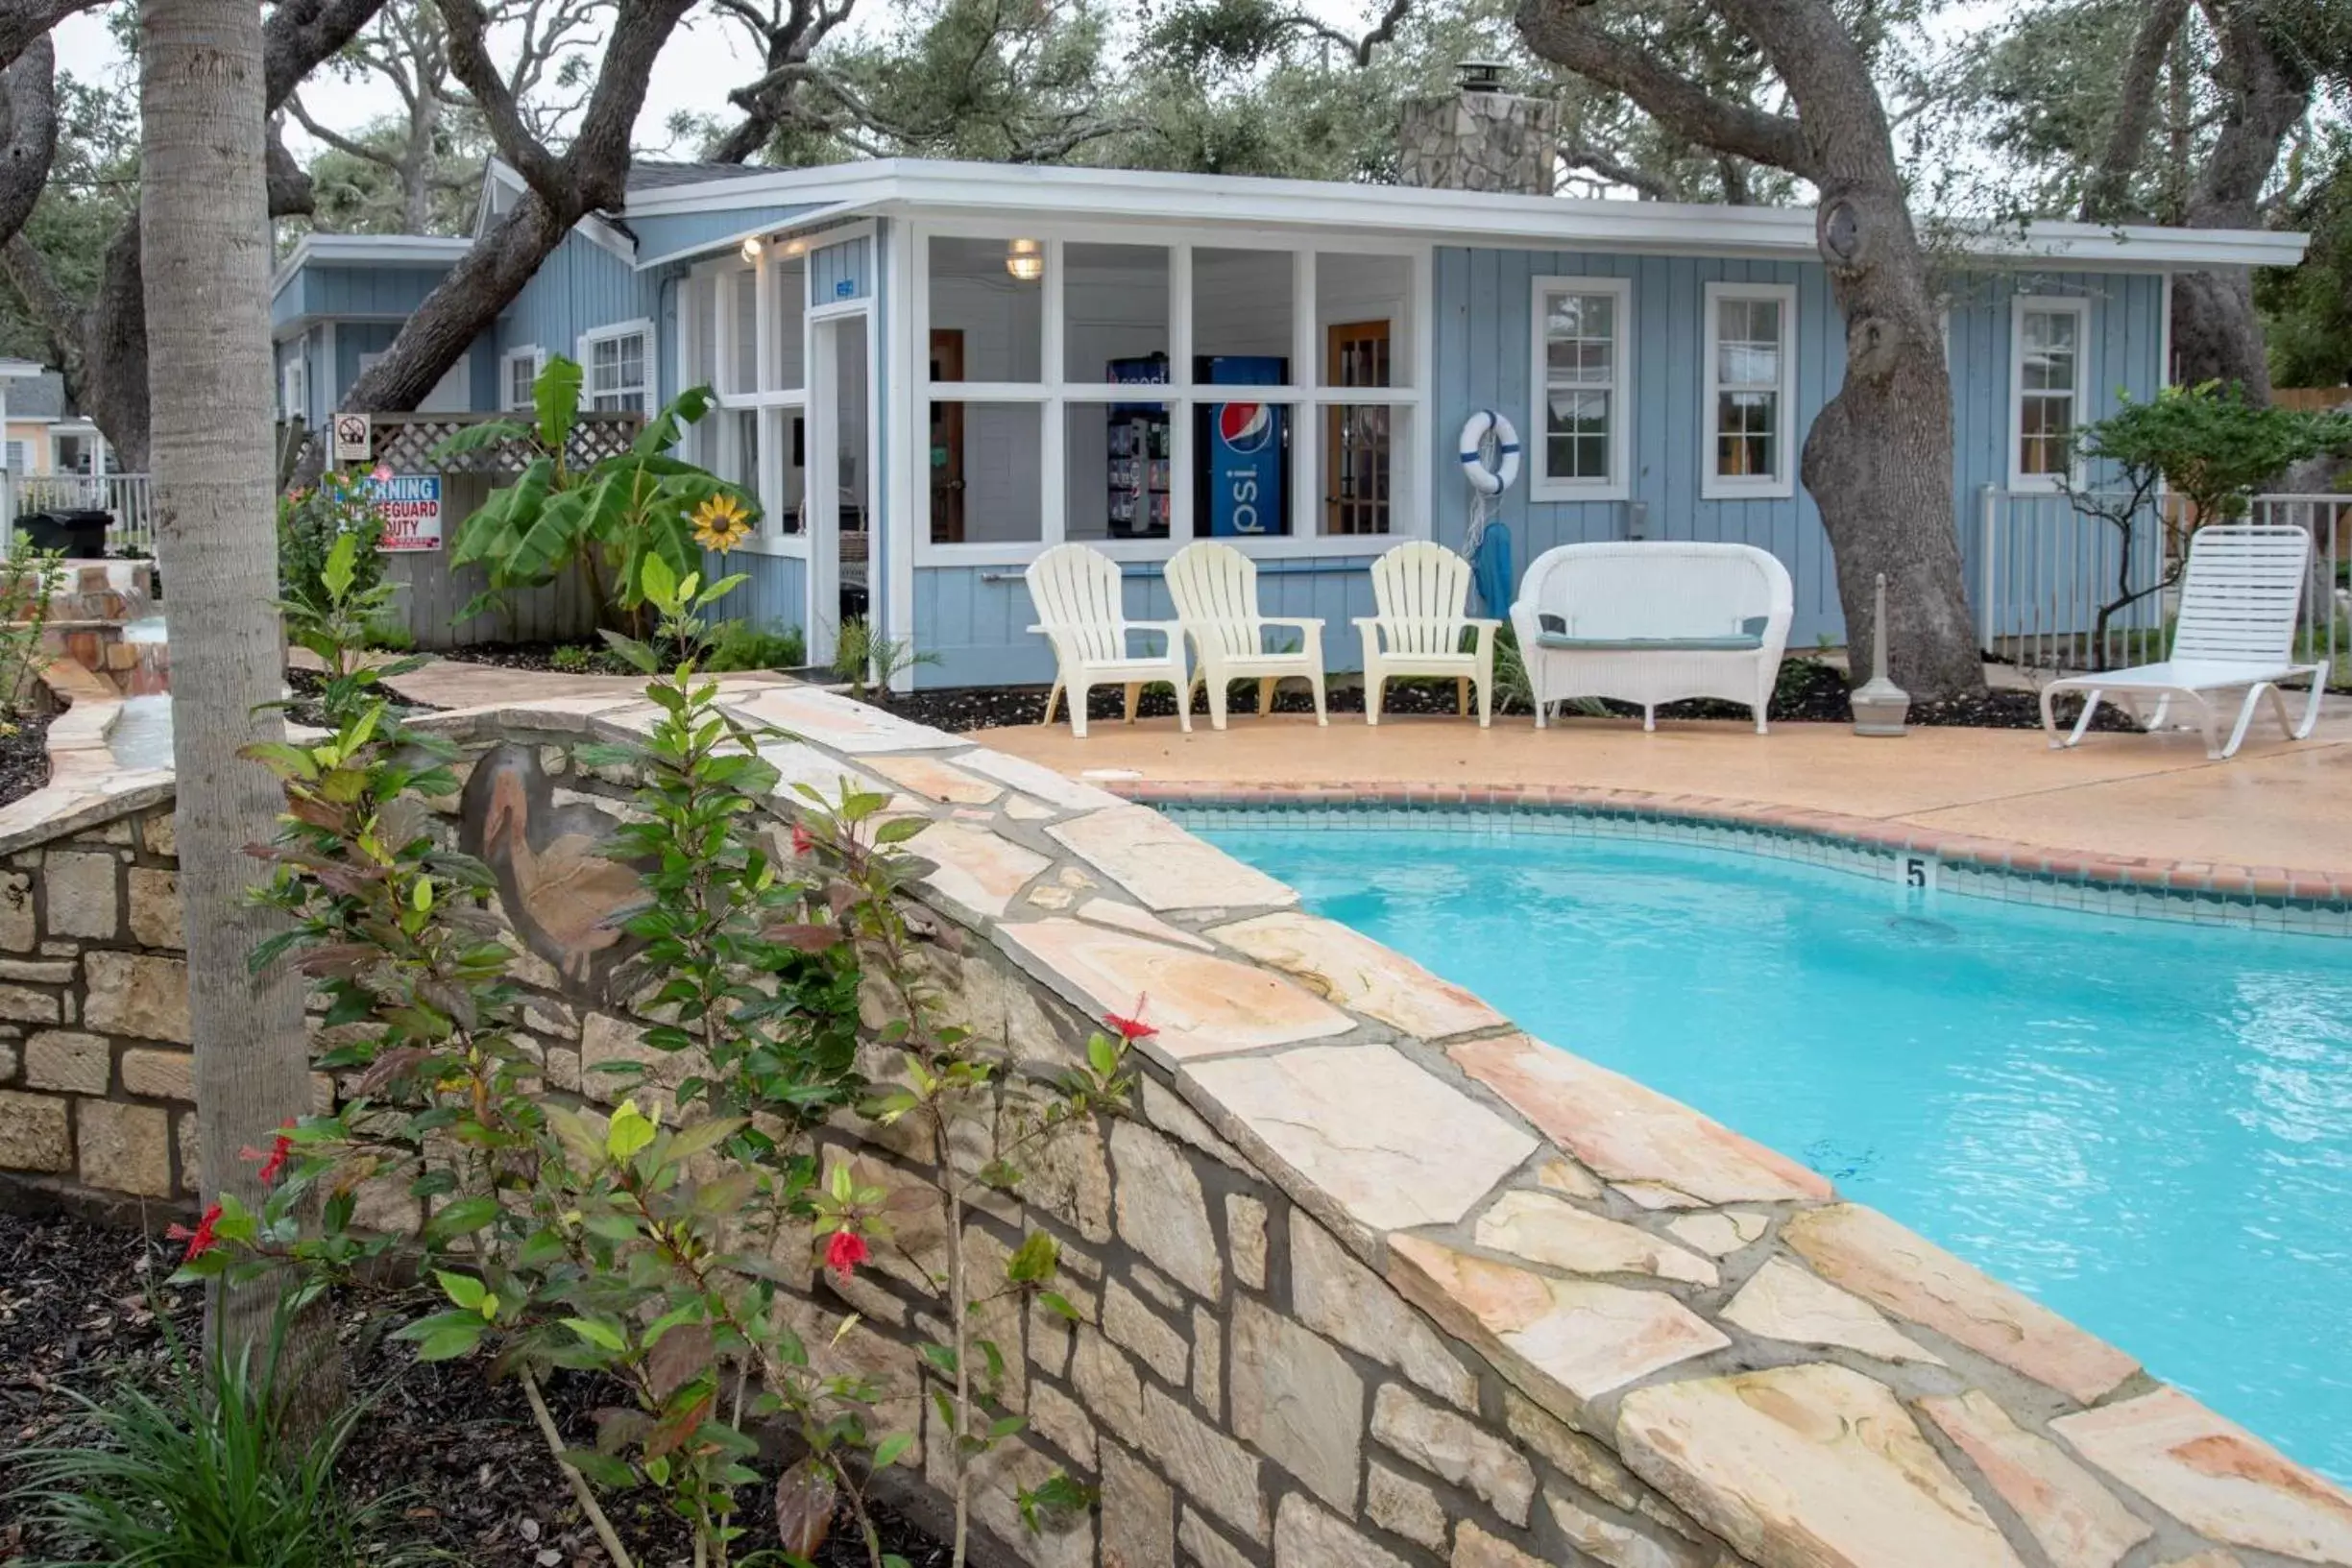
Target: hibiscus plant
[(668, 1250)]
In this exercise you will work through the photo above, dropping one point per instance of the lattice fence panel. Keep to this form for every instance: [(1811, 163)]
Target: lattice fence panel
[(404, 442)]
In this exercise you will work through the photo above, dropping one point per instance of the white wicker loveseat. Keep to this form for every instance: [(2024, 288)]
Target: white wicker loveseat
[(1653, 622)]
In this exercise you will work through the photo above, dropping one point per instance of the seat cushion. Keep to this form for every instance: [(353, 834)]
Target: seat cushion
[(1730, 643)]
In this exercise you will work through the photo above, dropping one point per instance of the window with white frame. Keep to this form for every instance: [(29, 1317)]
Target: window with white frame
[(619, 365), (1751, 391), (293, 390), (2044, 388), (519, 377), (743, 323), (1581, 374), (1284, 391)]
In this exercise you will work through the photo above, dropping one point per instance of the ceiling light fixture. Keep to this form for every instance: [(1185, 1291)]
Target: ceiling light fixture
[(752, 249), (1025, 259)]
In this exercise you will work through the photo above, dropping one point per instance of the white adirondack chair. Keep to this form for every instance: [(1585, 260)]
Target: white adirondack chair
[(1079, 611), (1216, 591), (1421, 591), (2236, 632)]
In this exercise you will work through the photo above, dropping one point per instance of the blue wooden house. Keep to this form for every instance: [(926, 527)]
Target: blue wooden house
[(929, 372)]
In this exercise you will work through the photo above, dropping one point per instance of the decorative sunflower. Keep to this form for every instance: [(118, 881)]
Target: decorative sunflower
[(721, 523)]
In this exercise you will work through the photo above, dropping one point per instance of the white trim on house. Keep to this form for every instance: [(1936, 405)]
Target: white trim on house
[(2019, 307), (498, 173), (294, 388), (1781, 482), (359, 250), (538, 357), (1617, 483), (940, 191), (1055, 393), (650, 392)]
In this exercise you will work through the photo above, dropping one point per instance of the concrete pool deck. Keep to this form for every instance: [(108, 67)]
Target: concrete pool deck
[(2278, 805)]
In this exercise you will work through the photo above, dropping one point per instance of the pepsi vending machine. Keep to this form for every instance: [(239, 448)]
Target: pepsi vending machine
[(1244, 448)]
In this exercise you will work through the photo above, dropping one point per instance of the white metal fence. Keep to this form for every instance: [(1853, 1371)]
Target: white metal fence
[(125, 498), (2056, 590)]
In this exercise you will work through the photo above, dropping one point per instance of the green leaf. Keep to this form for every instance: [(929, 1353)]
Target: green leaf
[(462, 1218), (630, 1131), (898, 829), (661, 581), (448, 1342), (464, 1289), (601, 1334), (1056, 1303), (600, 1469), (891, 1447), (1035, 1259), (555, 398)]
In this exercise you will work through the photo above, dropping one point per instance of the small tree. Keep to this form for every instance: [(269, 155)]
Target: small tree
[(2210, 446)]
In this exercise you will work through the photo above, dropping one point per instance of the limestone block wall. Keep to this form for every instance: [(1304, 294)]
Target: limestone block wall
[(1369, 1278)]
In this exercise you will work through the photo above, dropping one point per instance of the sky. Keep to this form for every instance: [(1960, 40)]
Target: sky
[(704, 60)]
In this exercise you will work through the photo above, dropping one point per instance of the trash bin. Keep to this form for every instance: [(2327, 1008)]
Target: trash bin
[(80, 531)]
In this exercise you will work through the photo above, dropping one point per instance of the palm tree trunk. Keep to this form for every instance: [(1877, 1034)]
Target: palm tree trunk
[(205, 265)]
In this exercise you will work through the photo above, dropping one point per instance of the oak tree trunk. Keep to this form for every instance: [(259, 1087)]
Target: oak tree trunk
[(204, 268)]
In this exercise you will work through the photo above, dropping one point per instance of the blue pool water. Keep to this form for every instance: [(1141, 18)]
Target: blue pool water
[(2147, 1125)]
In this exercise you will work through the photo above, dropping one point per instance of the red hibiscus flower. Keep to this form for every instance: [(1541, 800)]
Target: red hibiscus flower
[(274, 1161), (201, 1239), (845, 1252), (1131, 1029), (803, 841)]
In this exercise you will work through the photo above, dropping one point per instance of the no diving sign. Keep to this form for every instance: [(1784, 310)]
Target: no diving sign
[(351, 444)]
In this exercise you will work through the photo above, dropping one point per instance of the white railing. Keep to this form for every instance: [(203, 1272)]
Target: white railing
[(124, 497), (2058, 591)]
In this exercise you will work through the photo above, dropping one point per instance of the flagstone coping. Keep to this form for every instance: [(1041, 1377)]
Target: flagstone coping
[(2194, 887), (1768, 1356)]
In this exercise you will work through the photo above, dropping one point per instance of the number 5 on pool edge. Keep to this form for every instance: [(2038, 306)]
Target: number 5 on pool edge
[(1919, 873)]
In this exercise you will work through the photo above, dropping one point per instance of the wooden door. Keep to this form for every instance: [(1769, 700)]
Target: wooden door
[(1356, 456), (947, 441)]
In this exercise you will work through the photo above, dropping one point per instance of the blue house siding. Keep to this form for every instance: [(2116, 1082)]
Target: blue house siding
[(1484, 357), (582, 285), (775, 594), (673, 233), (975, 618), (842, 272)]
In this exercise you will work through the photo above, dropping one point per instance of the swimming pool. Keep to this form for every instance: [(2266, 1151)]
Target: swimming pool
[(2145, 1124)]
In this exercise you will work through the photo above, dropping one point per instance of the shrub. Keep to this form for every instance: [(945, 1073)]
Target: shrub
[(203, 1473), (26, 584), (391, 635), (869, 661), (574, 659), (309, 522), (741, 644)]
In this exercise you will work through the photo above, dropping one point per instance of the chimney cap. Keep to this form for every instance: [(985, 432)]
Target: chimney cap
[(1480, 75)]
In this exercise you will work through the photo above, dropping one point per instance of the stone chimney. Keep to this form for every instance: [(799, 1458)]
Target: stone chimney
[(1483, 138)]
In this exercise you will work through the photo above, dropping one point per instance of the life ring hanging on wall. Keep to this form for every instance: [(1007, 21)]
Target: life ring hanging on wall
[(1489, 476)]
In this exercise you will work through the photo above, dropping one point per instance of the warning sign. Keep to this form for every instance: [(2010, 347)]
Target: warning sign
[(410, 504)]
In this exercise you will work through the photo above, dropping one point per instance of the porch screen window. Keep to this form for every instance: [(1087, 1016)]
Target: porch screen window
[(1750, 383), (2050, 340), (1578, 438), (292, 394), (616, 367)]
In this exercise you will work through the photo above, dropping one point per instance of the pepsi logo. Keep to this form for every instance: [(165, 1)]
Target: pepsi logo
[(1244, 428)]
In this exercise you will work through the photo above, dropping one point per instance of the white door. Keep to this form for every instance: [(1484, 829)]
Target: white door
[(838, 487)]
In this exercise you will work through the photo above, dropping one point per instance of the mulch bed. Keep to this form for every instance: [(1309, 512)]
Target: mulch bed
[(1810, 691), (539, 656), (24, 760), (82, 1309), (309, 688)]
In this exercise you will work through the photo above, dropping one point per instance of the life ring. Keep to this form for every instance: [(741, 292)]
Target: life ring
[(1490, 481)]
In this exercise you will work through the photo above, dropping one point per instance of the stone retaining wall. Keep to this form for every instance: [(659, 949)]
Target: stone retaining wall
[(1370, 1278)]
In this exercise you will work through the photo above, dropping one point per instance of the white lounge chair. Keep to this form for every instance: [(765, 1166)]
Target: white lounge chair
[(1216, 591), (1080, 611), (2236, 632), (1653, 621), (1421, 591)]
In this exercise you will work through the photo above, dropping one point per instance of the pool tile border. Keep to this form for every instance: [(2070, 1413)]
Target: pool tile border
[(2199, 892)]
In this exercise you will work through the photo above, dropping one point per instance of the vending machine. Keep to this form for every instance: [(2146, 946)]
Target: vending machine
[(1137, 450), (1243, 462)]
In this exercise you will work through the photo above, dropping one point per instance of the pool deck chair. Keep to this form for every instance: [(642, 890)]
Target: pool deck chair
[(1076, 594), (2236, 633), (1421, 591), (1215, 588)]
